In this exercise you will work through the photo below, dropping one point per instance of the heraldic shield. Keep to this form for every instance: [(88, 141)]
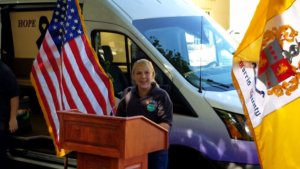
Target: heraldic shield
[(273, 66)]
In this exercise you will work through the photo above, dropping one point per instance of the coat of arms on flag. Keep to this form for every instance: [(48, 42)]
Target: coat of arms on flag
[(276, 63), (273, 66)]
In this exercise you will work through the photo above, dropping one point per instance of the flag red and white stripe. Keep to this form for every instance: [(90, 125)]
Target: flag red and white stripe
[(66, 74)]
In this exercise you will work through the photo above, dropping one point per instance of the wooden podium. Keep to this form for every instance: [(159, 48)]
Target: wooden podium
[(106, 142)]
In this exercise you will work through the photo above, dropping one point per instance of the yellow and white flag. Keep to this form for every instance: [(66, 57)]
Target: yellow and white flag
[(266, 74)]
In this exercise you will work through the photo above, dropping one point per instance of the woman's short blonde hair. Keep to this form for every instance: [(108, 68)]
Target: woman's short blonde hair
[(146, 63)]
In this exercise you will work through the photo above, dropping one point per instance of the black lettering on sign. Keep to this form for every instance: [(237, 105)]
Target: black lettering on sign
[(27, 23)]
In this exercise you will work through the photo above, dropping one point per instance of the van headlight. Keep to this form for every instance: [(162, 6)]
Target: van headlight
[(236, 125)]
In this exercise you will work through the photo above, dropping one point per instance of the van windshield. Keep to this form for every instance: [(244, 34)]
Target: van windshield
[(195, 47)]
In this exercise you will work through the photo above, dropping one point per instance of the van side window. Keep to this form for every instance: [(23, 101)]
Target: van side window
[(112, 54), (117, 53)]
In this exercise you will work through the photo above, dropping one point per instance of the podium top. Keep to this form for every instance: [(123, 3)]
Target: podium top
[(111, 136)]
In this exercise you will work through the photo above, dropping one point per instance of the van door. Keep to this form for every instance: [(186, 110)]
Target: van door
[(124, 53)]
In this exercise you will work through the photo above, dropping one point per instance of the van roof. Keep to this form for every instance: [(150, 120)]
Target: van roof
[(138, 9), (141, 9)]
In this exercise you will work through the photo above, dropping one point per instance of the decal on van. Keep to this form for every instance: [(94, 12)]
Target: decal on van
[(28, 28)]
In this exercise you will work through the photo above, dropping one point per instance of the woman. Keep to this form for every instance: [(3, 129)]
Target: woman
[(147, 99)]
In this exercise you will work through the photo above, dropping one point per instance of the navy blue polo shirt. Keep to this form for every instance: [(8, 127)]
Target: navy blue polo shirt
[(8, 89), (156, 106)]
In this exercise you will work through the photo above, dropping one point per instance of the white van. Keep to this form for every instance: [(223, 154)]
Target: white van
[(192, 57)]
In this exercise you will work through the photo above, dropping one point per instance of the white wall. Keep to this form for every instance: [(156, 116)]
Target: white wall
[(241, 13)]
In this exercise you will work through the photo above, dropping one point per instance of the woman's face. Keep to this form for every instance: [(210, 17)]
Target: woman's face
[(143, 76)]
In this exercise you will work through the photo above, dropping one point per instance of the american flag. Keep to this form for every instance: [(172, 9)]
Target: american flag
[(66, 74)]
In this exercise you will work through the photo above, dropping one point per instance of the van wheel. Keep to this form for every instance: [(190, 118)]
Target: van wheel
[(181, 157)]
